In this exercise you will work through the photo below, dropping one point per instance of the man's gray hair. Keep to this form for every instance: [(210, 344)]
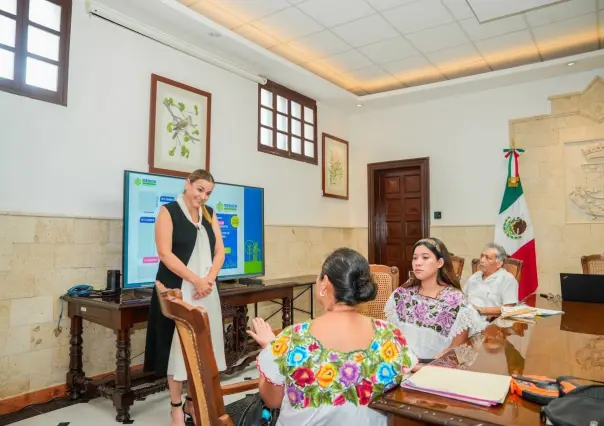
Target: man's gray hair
[(501, 254)]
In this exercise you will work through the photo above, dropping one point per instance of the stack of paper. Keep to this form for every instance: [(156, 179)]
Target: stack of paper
[(519, 311), (477, 388), (524, 311)]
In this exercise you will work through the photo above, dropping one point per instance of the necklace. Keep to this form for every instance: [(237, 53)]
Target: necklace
[(341, 311), (442, 288)]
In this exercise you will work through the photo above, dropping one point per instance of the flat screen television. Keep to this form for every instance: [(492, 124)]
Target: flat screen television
[(239, 209)]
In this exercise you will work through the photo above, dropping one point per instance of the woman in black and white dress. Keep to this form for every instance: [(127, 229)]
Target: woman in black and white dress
[(191, 252)]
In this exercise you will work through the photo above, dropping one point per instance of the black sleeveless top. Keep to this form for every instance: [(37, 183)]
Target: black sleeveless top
[(184, 235)]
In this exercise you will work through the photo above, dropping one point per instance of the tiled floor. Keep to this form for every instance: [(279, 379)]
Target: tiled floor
[(154, 411)]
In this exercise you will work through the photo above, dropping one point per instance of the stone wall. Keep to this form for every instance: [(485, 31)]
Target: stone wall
[(41, 257)]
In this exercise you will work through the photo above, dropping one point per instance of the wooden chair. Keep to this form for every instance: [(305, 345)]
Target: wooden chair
[(458, 263), (513, 266), (593, 264), (204, 384), (387, 280)]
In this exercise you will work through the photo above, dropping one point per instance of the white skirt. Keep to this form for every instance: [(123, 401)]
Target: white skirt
[(200, 262), (211, 303)]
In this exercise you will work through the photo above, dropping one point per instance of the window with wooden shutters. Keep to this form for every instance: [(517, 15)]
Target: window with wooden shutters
[(287, 123), (34, 48)]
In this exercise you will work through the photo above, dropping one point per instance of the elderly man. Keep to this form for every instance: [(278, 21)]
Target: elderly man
[(492, 287)]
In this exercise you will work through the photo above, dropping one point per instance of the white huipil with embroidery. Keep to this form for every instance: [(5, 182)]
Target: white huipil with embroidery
[(431, 324), (323, 386)]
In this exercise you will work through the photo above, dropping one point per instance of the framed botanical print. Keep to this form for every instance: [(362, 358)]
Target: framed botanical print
[(179, 127), (335, 167)]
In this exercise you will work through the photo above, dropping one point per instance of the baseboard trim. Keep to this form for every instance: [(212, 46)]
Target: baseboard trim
[(41, 396)]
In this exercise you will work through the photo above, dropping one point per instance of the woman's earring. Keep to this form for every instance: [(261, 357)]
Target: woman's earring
[(322, 293)]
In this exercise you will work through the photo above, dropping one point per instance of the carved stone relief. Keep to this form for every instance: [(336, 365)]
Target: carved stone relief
[(584, 181)]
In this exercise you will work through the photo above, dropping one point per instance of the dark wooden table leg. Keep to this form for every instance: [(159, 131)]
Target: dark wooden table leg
[(75, 386), (242, 336), (237, 342), (123, 398), (286, 317)]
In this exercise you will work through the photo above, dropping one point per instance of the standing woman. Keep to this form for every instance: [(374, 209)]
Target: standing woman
[(191, 253)]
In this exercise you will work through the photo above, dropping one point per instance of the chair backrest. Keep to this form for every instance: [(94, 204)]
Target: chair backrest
[(593, 264), (387, 280), (458, 263), (194, 332), (513, 266)]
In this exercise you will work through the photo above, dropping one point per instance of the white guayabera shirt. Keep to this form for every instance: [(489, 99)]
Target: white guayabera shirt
[(498, 289)]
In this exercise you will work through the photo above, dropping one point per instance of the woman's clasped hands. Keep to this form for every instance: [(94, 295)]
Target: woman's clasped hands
[(203, 287)]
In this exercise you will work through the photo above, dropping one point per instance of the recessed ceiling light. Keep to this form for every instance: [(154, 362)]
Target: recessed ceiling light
[(570, 64), (359, 105), (214, 34)]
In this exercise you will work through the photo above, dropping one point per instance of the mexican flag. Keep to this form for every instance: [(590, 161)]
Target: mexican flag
[(514, 228)]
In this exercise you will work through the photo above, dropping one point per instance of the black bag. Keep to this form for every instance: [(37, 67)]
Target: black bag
[(579, 407), (257, 414)]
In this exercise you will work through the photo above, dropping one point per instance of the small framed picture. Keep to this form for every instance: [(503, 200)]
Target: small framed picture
[(335, 167), (179, 127)]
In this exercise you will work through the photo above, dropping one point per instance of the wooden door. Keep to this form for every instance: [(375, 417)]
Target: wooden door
[(399, 211)]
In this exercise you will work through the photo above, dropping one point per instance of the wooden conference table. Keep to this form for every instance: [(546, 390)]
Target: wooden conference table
[(570, 344)]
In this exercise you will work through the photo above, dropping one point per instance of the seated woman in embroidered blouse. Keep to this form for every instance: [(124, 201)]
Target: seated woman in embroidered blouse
[(430, 308), (327, 370)]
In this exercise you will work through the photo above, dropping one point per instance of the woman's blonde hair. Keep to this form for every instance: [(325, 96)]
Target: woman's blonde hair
[(207, 176)]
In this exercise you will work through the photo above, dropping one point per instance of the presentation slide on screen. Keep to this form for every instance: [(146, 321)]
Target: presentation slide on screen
[(239, 211)]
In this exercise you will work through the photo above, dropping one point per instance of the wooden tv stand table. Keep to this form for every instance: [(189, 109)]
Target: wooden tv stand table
[(121, 313)]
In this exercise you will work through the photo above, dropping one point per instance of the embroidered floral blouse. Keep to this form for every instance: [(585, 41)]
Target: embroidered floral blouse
[(431, 324), (327, 387)]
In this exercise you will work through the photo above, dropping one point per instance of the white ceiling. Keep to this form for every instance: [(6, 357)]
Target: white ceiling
[(175, 20), (374, 46), (488, 10)]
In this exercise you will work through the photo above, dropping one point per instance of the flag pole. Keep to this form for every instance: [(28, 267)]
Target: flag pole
[(514, 228)]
